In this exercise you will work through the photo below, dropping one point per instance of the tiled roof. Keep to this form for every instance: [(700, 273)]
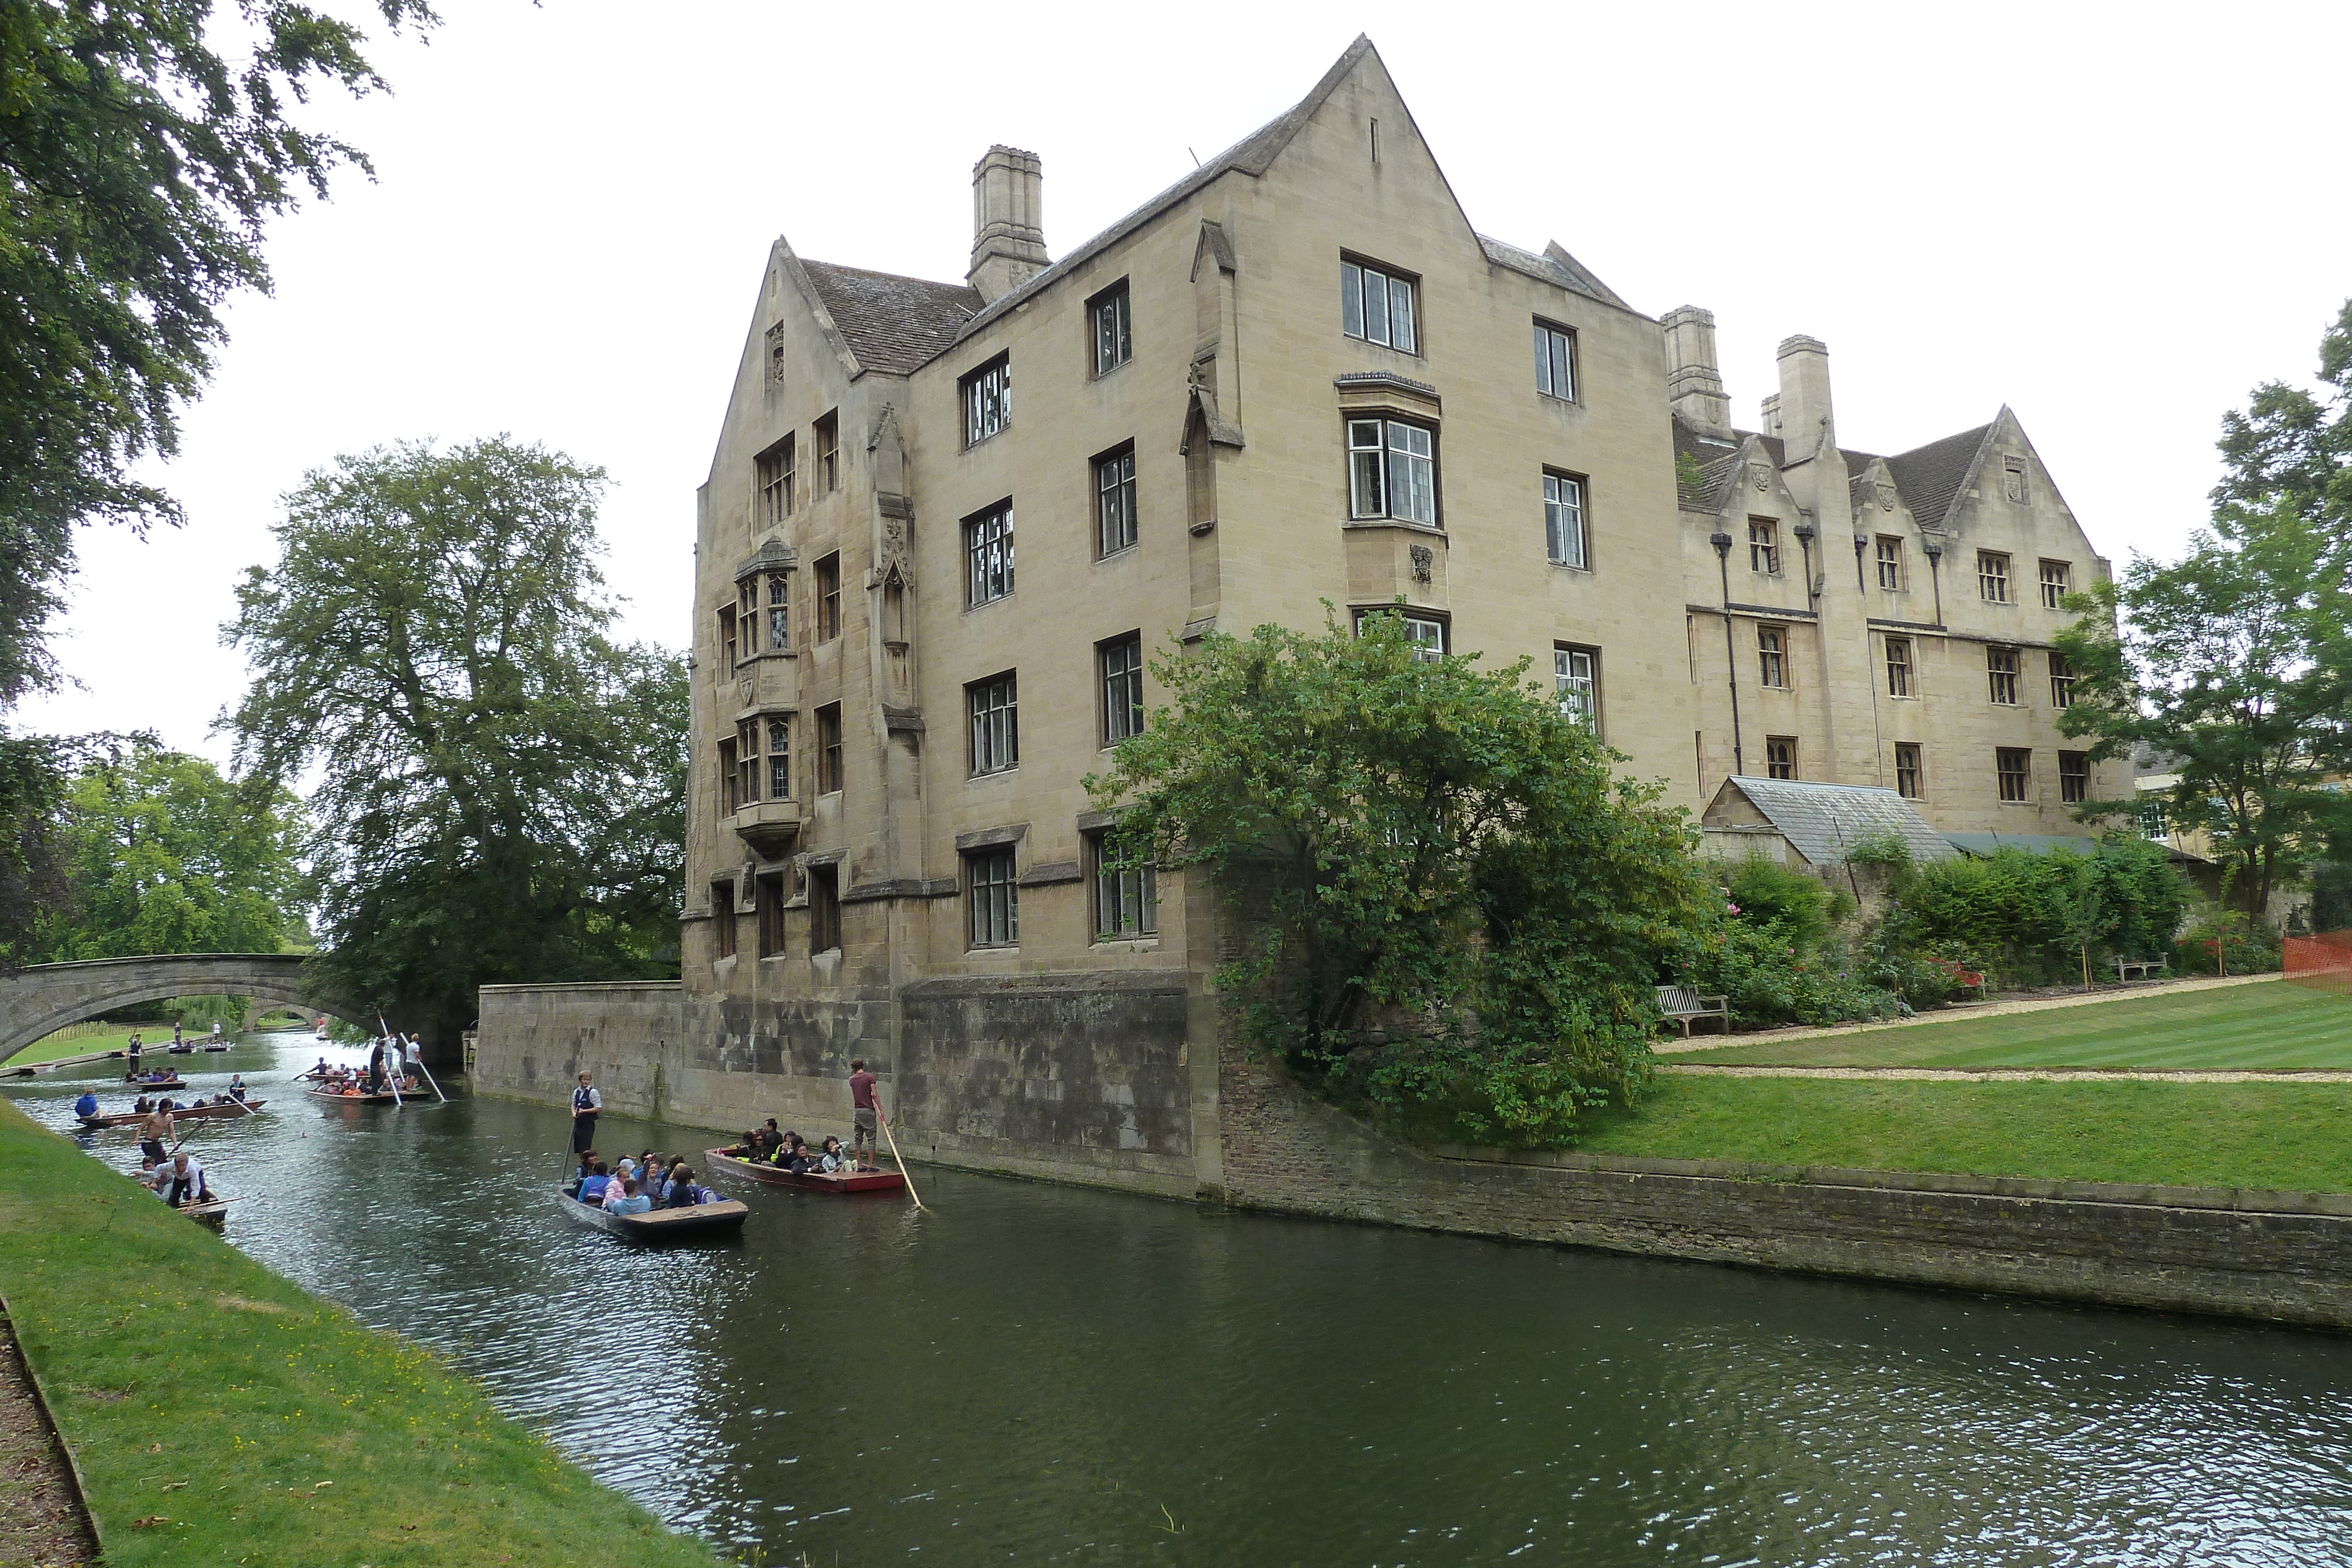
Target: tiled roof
[(1555, 266), (1822, 821), (1929, 476), (891, 323)]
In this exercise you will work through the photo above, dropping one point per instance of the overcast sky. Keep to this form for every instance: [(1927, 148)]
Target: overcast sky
[(2116, 219)]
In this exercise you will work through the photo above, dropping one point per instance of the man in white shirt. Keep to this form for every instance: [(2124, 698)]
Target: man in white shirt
[(187, 1180), (411, 1054), (585, 1104)]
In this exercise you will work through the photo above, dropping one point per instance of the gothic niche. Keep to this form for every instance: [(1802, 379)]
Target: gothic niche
[(899, 671)]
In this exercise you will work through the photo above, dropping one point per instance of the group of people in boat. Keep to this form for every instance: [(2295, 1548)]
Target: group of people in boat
[(177, 1178), (787, 1150), (87, 1106), (353, 1082), (638, 1186)]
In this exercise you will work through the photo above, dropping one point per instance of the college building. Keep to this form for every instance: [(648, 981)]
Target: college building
[(949, 526)]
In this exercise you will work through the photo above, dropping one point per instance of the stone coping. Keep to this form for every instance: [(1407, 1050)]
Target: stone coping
[(606, 987), (2244, 1200)]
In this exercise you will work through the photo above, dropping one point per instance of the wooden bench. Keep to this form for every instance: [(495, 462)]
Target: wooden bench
[(1966, 976), (2141, 969), (1680, 1005)]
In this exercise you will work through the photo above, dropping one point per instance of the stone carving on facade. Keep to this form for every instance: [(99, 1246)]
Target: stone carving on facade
[(2012, 479), (776, 355), (1885, 498), (1423, 558), (1761, 472)]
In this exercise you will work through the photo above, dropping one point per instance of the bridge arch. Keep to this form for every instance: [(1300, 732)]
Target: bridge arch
[(42, 998)]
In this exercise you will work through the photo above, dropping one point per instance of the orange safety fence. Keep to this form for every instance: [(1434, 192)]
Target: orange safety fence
[(2323, 962)]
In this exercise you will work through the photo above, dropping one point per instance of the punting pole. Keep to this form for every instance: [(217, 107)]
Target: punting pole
[(391, 1078), (430, 1079), (900, 1158)]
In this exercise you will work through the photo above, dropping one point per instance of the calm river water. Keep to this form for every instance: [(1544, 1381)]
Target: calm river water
[(1032, 1374)]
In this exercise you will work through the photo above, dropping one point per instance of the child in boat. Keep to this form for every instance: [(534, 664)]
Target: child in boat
[(631, 1200), (833, 1158)]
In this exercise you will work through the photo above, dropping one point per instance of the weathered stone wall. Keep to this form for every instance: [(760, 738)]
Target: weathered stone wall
[(2281, 1256), (1082, 1078)]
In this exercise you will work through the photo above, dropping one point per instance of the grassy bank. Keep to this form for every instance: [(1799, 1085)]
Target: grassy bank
[(221, 1415), (2263, 1027), (2296, 1136)]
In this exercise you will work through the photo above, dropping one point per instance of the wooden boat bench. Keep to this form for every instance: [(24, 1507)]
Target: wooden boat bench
[(1684, 1005)]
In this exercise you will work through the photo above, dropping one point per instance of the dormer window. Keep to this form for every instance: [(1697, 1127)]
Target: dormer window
[(1378, 306), (987, 399), (1764, 546)]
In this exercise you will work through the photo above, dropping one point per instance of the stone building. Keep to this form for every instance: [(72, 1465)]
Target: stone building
[(947, 525), (1923, 664)]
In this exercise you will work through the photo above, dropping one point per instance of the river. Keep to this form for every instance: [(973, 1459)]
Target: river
[(1032, 1374)]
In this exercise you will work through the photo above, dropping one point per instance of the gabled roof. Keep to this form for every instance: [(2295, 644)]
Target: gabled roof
[(891, 323), (1554, 266), (1929, 476), (1253, 154), (1822, 821)]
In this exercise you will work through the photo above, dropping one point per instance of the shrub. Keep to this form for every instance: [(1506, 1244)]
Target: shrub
[(2035, 918), (2225, 940), (1770, 978), (1766, 893)]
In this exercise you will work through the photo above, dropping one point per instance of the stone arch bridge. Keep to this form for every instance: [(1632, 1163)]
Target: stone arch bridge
[(38, 1000)]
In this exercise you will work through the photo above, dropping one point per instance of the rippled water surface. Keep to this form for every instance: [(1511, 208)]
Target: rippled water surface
[(1032, 1374)]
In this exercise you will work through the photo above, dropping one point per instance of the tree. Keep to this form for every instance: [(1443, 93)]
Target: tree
[(137, 167), (500, 789), (164, 855), (2235, 661), (1454, 898)]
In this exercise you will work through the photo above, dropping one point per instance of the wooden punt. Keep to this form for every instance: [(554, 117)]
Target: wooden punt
[(185, 1113), (209, 1213), (811, 1181), (662, 1224), (139, 1082), (405, 1097)]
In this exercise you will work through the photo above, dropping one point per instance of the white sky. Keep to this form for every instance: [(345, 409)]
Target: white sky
[(2114, 218)]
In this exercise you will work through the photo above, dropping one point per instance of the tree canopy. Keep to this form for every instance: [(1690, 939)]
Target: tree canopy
[(1452, 899), (499, 786), (138, 164), (2233, 666), (164, 855)]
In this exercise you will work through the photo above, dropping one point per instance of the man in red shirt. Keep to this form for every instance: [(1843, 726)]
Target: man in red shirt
[(864, 1114)]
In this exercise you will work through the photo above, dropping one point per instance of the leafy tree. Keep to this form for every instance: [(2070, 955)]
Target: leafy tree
[(166, 856), (500, 789), (34, 886), (1451, 897), (2235, 663), (137, 166)]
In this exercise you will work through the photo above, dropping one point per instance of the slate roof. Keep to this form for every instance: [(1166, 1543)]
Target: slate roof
[(892, 323), (1822, 821), (1254, 154), (1929, 476), (2040, 843)]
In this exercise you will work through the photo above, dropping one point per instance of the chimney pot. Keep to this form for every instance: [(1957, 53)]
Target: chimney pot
[(1008, 217), (1810, 428)]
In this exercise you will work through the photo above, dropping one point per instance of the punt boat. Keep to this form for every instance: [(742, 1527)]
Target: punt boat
[(844, 1182), (724, 1218), (138, 1081), (405, 1097), (210, 1212), (179, 1113)]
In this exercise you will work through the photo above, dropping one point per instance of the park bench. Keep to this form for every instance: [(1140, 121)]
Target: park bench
[(1968, 979), (1682, 1005), (2141, 969)]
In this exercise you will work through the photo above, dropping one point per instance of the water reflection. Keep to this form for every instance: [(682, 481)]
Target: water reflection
[(1031, 1373)]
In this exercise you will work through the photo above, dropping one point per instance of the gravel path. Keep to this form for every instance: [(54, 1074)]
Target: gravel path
[(41, 1520), (1958, 1014), (2008, 1074)]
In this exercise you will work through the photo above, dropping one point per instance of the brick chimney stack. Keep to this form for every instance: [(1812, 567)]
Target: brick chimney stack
[(1008, 216)]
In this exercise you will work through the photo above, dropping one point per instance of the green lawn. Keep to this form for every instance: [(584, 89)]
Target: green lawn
[(2296, 1136), (2274, 1026), (220, 1415)]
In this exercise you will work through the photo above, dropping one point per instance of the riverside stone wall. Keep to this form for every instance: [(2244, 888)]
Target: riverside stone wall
[(2286, 1257), (1070, 1078), (1083, 1078)]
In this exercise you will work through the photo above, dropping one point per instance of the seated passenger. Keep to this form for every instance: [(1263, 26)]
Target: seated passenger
[(630, 1201), (142, 1105), (833, 1158), (592, 1186), (769, 1138), (683, 1191), (679, 1176)]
